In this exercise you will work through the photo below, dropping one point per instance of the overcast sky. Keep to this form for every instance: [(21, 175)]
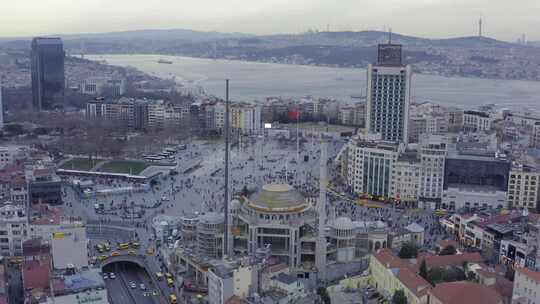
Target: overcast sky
[(503, 19)]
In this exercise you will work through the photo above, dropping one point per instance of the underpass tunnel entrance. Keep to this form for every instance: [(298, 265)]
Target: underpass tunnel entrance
[(130, 273)]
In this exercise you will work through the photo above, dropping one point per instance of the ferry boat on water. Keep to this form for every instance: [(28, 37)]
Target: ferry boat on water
[(163, 61)]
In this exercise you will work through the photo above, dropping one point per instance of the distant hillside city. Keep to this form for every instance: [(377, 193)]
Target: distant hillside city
[(474, 56)]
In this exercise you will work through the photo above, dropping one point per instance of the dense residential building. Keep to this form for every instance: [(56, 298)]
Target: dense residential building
[(227, 280), (455, 119), (535, 136), (48, 80), (13, 231), (354, 115), (420, 125), (36, 270), (417, 127), (103, 86), (523, 187), (476, 121), (138, 114), (245, 118), (526, 286), (85, 286), (388, 95), (12, 154), (527, 120), (433, 151)]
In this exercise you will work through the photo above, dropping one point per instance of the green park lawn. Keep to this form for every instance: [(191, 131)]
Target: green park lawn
[(124, 166), (81, 164)]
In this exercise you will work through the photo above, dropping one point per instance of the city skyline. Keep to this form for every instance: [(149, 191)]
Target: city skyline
[(461, 17)]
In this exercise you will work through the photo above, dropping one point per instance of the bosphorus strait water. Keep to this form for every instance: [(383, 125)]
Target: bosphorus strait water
[(255, 81)]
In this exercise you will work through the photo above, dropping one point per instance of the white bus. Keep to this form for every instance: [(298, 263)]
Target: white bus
[(154, 158)]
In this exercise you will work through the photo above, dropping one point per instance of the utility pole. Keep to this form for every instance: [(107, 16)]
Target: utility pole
[(226, 235)]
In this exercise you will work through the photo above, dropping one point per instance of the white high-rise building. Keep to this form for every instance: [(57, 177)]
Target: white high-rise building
[(370, 167), (388, 95), (433, 150)]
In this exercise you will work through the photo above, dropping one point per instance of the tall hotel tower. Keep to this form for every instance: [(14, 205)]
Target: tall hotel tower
[(388, 94)]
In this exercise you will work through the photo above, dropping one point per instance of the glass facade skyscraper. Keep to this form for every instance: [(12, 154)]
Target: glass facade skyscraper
[(48, 80)]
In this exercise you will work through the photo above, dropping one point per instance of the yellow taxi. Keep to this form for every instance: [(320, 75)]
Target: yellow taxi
[(102, 257), (132, 252), (115, 253)]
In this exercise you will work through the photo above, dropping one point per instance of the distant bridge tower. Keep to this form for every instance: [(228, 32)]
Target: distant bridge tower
[(82, 49), (480, 27)]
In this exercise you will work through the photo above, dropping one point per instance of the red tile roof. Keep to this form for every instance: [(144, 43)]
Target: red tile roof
[(388, 259), (414, 282), (277, 267), (443, 243), (448, 260), (405, 273), (465, 292), (36, 274), (47, 215), (529, 273), (234, 300)]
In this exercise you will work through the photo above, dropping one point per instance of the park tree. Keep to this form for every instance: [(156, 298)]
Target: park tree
[(325, 298), (423, 269), (408, 250), (399, 297), (510, 273), (435, 275), (448, 250)]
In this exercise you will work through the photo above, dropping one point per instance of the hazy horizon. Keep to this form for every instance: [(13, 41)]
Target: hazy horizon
[(423, 18)]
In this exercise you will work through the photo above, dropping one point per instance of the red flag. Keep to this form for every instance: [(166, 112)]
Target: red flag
[(294, 115)]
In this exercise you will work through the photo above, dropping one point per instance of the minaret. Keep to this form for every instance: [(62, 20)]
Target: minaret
[(320, 256), (227, 233), (1, 107)]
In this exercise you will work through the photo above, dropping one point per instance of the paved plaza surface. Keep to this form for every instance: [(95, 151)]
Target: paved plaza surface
[(254, 163)]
